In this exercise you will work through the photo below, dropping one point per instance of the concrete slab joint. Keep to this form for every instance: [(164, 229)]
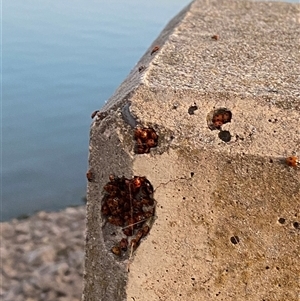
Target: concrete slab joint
[(190, 194)]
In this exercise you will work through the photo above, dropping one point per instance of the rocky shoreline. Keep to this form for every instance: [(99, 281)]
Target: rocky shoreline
[(42, 256)]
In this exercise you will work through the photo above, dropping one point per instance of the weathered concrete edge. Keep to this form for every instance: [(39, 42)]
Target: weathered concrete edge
[(136, 78), (115, 288)]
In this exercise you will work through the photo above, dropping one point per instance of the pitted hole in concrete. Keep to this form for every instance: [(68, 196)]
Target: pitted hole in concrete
[(192, 174), (234, 239), (224, 136), (281, 220), (216, 118), (296, 225), (142, 68), (192, 109), (267, 267), (145, 138), (128, 209)]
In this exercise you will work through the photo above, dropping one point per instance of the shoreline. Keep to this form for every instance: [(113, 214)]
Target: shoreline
[(26, 216)]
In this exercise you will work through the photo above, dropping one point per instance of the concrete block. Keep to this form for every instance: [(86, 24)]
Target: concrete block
[(222, 94)]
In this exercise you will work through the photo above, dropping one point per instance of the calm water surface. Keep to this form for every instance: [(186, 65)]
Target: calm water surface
[(60, 61)]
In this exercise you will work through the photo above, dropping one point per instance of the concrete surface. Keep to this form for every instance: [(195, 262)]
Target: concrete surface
[(227, 213)]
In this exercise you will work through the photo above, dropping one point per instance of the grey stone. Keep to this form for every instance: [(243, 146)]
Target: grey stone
[(34, 263), (7, 230), (40, 255)]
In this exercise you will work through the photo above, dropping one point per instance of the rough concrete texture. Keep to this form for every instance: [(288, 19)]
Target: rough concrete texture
[(227, 214)]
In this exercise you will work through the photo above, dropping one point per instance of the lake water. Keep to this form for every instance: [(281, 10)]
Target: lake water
[(60, 61)]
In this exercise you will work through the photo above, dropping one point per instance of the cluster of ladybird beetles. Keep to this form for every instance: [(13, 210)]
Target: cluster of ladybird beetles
[(129, 204), (221, 117), (145, 138)]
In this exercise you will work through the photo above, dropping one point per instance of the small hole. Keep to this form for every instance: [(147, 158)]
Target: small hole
[(193, 278), (235, 239), (296, 225), (267, 267), (192, 174), (225, 136), (281, 220), (271, 161), (192, 110)]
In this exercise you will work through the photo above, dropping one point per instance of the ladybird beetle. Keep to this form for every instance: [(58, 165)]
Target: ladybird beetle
[(123, 244), (292, 161), (155, 49), (116, 250), (89, 176)]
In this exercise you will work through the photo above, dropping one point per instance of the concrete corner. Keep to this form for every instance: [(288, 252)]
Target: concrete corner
[(222, 94)]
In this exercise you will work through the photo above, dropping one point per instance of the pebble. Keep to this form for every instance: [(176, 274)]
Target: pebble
[(42, 256)]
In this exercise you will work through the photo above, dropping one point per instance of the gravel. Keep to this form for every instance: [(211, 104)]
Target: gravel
[(42, 257)]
